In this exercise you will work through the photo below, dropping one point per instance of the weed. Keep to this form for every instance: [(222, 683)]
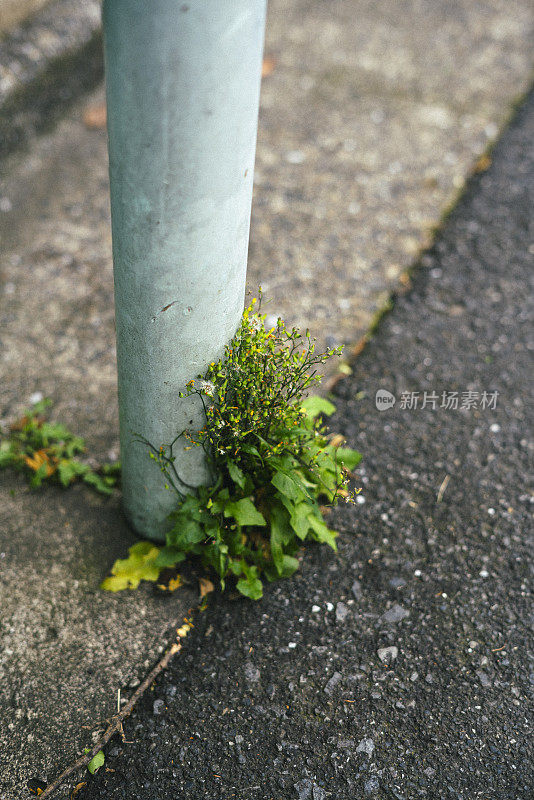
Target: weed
[(270, 458)]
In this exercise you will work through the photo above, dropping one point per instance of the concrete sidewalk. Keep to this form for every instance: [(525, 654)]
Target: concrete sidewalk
[(371, 119)]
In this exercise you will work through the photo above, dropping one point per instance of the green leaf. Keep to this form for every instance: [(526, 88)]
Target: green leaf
[(191, 507), (69, 470), (237, 475), (185, 532), (104, 485), (315, 405), (288, 485), (221, 499), (322, 532), (96, 762), (251, 450), (244, 512), (289, 566), (251, 586), (39, 476), (169, 556), (299, 520), (349, 458), (140, 566)]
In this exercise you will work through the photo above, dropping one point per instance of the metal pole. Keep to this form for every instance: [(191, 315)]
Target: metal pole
[(183, 81)]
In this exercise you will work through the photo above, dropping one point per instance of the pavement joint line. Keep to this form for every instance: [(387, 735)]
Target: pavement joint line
[(116, 722), (404, 282)]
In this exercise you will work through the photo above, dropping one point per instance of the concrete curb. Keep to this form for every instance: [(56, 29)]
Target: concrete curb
[(45, 64)]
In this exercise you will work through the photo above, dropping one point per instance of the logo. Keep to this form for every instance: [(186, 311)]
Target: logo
[(384, 400)]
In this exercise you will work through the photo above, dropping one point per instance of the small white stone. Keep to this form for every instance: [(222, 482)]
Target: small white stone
[(491, 512), (292, 645), (316, 609), (36, 397), (484, 573), (295, 157), (329, 607), (360, 499), (417, 573), (495, 428)]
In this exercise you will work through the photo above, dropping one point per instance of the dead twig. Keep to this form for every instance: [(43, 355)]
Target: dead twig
[(441, 491), (115, 725)]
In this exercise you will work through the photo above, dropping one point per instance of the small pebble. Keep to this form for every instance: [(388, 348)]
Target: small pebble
[(357, 589), (304, 789), (316, 609), (366, 746), (394, 614), (158, 707), (371, 785), (252, 673), (341, 612), (332, 683), (484, 678), (387, 654)]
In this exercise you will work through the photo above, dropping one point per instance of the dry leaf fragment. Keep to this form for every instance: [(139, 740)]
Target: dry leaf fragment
[(267, 68), (172, 585), (337, 440), (95, 117), (205, 587), (483, 163)]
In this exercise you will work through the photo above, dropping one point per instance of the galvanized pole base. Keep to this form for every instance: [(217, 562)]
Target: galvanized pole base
[(183, 82)]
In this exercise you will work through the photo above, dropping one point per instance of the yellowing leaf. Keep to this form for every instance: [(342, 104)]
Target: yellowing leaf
[(127, 573), (39, 458)]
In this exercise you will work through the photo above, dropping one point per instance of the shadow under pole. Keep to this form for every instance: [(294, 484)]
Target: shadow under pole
[(182, 85)]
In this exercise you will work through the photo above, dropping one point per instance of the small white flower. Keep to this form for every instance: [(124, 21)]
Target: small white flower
[(207, 387), (255, 322)]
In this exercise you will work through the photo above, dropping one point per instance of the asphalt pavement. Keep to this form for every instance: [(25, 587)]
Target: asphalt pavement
[(400, 667)]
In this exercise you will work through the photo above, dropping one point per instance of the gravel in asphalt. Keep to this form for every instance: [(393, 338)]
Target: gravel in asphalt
[(400, 667)]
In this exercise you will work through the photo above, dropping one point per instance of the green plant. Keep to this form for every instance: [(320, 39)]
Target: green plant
[(46, 451), (96, 762), (270, 458)]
